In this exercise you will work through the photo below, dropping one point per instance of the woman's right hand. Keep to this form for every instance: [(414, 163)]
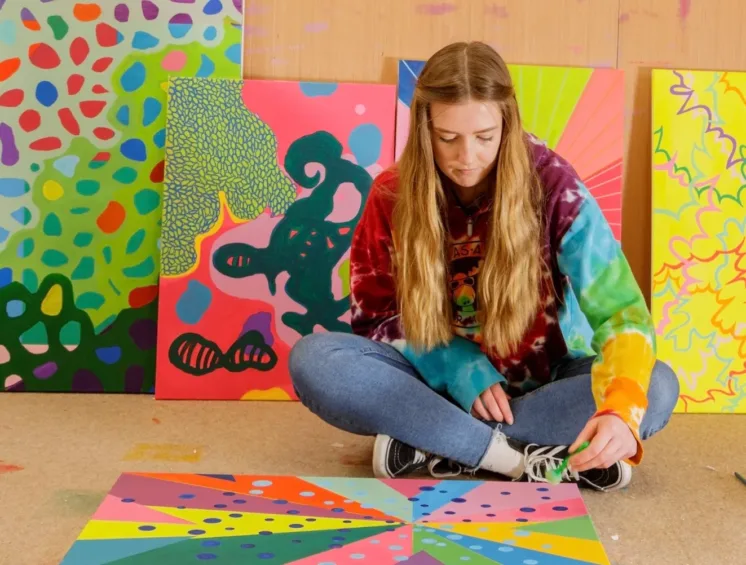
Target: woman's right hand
[(493, 404)]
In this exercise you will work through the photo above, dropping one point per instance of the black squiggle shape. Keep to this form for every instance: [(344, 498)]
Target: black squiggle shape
[(198, 356), (304, 243)]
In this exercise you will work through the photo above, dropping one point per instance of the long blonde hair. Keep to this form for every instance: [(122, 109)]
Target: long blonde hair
[(510, 278)]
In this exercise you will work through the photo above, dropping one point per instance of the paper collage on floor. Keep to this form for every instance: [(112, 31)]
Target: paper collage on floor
[(265, 183), (82, 135), (698, 266), (178, 518), (577, 112)]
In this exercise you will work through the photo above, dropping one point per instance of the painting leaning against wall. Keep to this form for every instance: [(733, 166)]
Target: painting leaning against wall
[(265, 183), (581, 117), (699, 232), (82, 135)]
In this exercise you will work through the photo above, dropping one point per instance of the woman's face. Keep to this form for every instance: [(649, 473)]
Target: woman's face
[(466, 138)]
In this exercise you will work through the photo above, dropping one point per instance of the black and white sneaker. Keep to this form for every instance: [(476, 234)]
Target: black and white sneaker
[(393, 458), (539, 458)]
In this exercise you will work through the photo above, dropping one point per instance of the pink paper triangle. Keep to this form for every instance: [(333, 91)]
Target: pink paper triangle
[(113, 508), (408, 487)]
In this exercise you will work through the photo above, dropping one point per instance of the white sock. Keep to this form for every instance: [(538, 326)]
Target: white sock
[(503, 459)]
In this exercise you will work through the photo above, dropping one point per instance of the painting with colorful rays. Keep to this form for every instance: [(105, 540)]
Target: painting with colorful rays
[(82, 135), (577, 112), (182, 518), (265, 183), (698, 297)]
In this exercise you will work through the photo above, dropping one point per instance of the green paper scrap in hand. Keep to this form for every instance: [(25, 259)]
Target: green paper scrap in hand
[(554, 476)]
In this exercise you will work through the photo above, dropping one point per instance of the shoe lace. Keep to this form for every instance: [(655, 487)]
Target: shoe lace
[(450, 468), (440, 468), (540, 459), (419, 457)]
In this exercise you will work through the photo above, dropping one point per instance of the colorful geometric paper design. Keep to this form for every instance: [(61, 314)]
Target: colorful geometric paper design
[(265, 183), (577, 112), (699, 220), (82, 134), (183, 518)]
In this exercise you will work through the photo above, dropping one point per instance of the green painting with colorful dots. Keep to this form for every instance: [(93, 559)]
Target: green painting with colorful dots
[(82, 149)]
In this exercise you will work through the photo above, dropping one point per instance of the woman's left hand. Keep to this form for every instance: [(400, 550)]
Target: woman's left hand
[(611, 441)]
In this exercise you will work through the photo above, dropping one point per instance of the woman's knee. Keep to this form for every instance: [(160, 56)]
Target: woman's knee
[(316, 360), (663, 394), (318, 370), (664, 388), (308, 357)]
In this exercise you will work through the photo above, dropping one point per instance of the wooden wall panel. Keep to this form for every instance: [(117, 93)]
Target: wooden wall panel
[(361, 40), (689, 34)]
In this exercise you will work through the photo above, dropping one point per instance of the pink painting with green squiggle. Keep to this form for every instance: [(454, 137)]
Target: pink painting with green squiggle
[(82, 134), (265, 183)]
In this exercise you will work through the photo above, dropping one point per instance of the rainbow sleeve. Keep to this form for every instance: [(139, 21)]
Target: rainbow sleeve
[(610, 298), (460, 368)]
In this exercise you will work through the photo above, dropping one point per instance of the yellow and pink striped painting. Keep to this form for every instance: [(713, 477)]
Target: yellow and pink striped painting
[(578, 112)]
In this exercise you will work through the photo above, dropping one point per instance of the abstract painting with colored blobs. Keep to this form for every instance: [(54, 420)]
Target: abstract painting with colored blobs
[(265, 183), (698, 297), (82, 148), (577, 112), (183, 518)]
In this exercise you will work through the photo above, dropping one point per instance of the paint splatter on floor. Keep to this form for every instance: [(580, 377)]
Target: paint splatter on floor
[(9, 468), (68, 502), (355, 460), (172, 452)]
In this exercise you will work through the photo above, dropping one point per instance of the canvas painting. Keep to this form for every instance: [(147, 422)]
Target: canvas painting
[(698, 222), (82, 136), (265, 183), (182, 518), (577, 112)]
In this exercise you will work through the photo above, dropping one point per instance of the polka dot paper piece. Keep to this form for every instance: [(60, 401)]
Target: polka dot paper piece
[(185, 518)]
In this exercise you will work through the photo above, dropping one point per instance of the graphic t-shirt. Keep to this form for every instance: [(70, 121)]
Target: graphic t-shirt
[(466, 258)]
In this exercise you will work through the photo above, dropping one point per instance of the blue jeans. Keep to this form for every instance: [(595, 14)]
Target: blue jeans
[(367, 388)]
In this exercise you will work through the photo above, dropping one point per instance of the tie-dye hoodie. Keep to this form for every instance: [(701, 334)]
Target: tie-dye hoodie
[(597, 307)]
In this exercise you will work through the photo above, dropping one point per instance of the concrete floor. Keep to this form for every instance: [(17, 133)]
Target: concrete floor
[(60, 454)]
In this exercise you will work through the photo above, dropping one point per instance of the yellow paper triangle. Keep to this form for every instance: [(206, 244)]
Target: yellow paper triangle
[(112, 529), (242, 524), (250, 523)]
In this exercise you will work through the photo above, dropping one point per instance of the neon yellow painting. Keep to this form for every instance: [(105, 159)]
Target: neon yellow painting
[(699, 219)]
